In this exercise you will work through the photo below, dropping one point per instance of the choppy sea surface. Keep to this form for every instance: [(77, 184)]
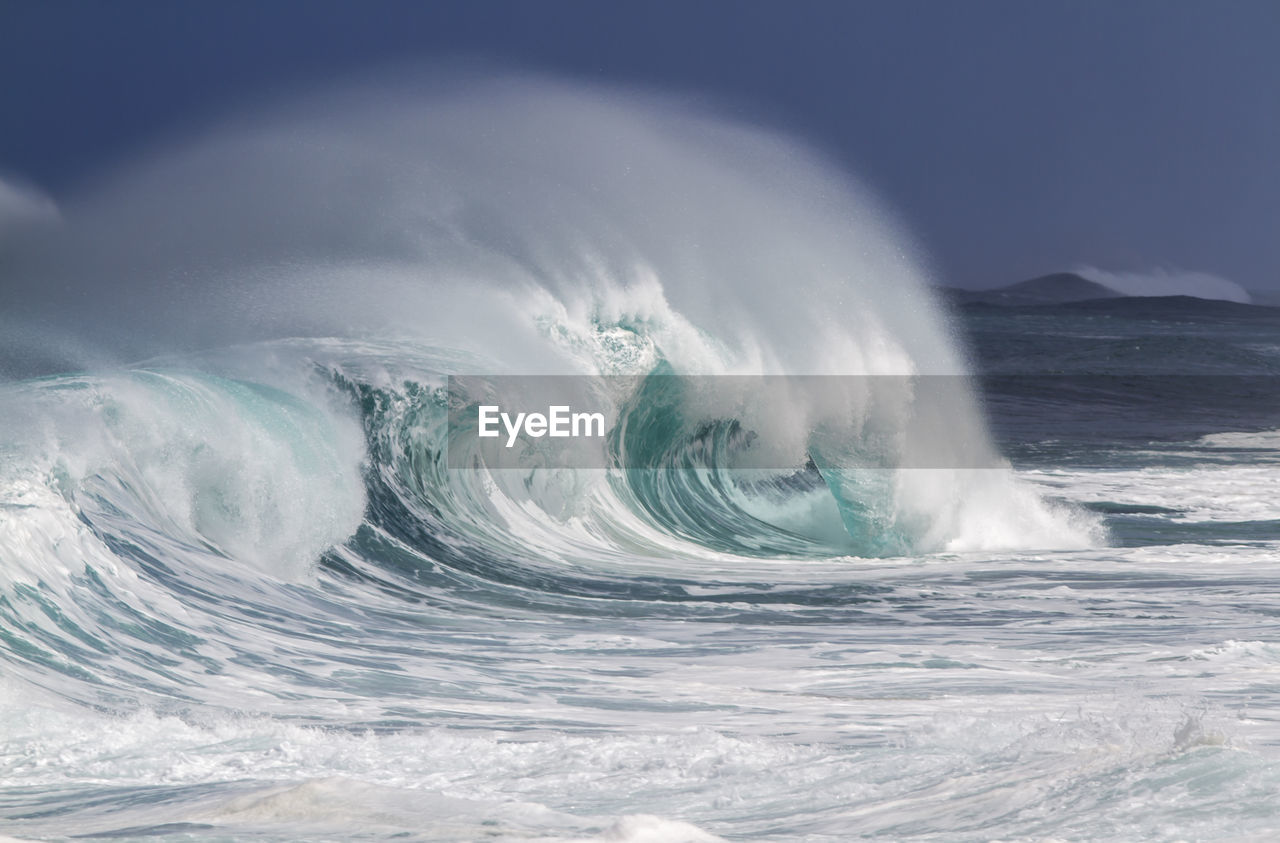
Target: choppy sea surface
[(463, 665), (251, 590)]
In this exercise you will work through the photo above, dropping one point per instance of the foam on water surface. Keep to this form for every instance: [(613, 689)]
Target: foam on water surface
[(244, 594)]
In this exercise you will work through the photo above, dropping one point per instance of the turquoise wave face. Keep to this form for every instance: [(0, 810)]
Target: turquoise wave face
[(244, 590), (674, 481), (478, 625)]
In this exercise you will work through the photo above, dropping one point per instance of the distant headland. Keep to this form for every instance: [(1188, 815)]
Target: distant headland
[(1072, 288)]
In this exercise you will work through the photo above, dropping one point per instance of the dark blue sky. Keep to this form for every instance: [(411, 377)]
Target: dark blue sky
[(1014, 138)]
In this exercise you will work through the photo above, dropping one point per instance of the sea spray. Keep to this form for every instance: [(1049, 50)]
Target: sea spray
[(544, 228)]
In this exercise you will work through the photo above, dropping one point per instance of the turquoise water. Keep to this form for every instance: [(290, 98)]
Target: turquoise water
[(245, 594), (228, 642)]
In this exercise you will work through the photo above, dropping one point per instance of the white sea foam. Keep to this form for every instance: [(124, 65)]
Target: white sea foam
[(261, 476), (888, 738), (1205, 493), (1262, 440), (539, 655)]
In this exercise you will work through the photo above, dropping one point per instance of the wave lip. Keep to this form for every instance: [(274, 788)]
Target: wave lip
[(545, 229), (541, 228)]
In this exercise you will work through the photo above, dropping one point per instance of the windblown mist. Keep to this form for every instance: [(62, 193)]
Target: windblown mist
[(246, 591)]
